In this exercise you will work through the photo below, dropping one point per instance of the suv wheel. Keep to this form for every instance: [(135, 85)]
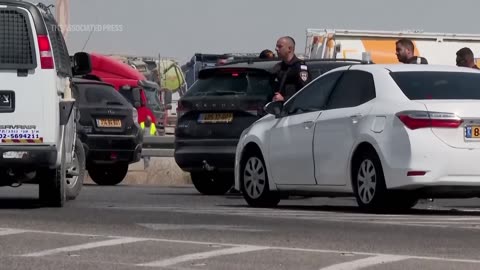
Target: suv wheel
[(212, 183), (108, 175), (254, 182)]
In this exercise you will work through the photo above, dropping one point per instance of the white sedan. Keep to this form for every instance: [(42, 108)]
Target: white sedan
[(388, 134)]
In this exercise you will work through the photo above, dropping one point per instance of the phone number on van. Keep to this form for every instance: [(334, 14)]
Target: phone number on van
[(19, 136)]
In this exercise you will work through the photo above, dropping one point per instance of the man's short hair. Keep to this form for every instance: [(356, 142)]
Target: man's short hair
[(290, 39), (407, 43), (265, 54), (465, 53)]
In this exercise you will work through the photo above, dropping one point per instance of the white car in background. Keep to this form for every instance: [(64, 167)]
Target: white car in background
[(388, 134)]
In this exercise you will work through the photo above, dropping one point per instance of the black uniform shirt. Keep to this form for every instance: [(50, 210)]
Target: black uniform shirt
[(295, 75)]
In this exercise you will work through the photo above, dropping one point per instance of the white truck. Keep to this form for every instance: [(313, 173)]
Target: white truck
[(379, 46), (38, 139)]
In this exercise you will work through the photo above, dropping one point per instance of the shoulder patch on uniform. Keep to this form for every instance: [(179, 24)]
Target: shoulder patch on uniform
[(303, 67), (304, 76)]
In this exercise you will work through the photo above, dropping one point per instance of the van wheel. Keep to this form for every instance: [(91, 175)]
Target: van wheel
[(52, 184), (254, 182), (211, 183), (74, 182), (52, 187), (108, 175), (369, 182)]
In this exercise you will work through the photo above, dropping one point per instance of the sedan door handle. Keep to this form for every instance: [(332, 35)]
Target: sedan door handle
[(308, 124), (355, 117)]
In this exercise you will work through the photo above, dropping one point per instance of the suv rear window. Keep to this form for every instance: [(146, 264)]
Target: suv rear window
[(100, 94), (438, 85), (17, 50), (224, 82)]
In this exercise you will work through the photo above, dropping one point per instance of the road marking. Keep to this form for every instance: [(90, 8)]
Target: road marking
[(366, 262), (415, 220), (331, 251), (10, 232), (202, 255), (160, 227), (106, 243)]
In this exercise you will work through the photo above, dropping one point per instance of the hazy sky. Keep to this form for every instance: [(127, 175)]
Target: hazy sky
[(180, 28)]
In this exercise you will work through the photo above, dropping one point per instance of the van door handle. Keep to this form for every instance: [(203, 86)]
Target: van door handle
[(308, 124)]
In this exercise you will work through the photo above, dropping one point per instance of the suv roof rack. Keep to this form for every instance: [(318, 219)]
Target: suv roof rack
[(339, 60), (255, 60)]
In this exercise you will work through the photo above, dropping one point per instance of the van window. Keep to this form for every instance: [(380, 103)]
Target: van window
[(59, 48), (17, 49)]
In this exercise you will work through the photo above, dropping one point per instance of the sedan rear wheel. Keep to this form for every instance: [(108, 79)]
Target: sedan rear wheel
[(369, 182)]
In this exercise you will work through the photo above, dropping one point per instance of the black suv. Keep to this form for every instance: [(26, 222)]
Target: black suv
[(224, 101), (109, 129)]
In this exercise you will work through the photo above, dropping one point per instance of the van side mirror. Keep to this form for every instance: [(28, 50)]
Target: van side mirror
[(274, 107), (82, 64), (137, 99)]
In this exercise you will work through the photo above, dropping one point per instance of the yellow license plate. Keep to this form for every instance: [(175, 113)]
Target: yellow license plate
[(215, 118), (109, 123), (472, 132)]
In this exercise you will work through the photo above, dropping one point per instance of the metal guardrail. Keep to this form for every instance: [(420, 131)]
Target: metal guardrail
[(158, 146)]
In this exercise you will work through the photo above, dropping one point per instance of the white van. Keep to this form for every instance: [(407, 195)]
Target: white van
[(37, 127)]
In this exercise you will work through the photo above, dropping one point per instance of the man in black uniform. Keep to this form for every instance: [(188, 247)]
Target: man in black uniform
[(292, 73)]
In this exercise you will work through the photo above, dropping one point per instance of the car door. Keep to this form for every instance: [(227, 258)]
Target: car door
[(290, 148), (336, 128)]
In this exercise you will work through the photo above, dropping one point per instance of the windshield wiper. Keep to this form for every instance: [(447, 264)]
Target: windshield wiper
[(229, 93), (113, 103), (219, 93)]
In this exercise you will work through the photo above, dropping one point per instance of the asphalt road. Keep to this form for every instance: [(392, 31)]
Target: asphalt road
[(126, 227)]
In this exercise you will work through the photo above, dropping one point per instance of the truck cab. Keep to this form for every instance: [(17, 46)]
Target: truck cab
[(128, 82), (379, 46)]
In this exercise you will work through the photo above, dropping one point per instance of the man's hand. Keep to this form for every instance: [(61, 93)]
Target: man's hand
[(278, 97)]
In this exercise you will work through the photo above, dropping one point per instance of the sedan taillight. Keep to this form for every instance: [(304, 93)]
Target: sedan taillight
[(424, 119)]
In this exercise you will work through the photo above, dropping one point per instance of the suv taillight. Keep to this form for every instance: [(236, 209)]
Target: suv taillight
[(46, 57), (423, 119)]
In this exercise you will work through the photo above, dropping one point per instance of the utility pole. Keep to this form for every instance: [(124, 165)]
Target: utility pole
[(62, 13)]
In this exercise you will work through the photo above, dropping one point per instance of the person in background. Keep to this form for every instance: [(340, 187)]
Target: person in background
[(465, 58), (405, 50), (149, 129), (266, 54)]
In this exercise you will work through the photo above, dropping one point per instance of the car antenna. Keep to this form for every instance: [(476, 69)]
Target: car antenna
[(88, 39)]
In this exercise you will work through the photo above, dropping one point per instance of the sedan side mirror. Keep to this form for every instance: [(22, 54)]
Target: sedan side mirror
[(274, 107)]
